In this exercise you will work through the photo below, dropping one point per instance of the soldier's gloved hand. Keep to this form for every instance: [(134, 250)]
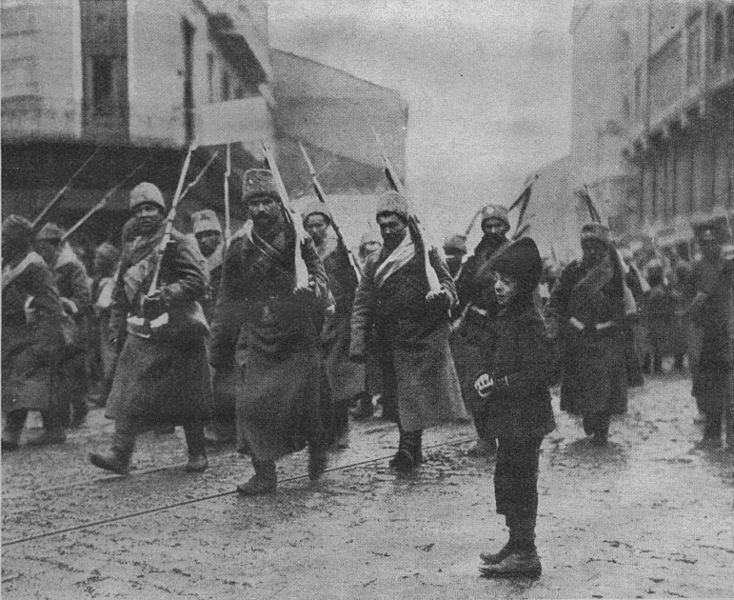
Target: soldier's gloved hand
[(439, 299), (483, 385), (153, 305)]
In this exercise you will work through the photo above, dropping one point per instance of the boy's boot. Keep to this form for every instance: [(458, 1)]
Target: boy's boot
[(523, 561), (264, 481)]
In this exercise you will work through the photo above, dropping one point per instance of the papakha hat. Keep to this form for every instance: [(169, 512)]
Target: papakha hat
[(258, 182), (393, 202), (455, 243), (521, 260), (205, 220), (494, 211), (595, 231), (146, 192), (314, 206)]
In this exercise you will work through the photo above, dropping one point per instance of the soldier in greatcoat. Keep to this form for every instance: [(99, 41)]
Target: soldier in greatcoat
[(162, 375), (412, 326), (32, 336), (711, 357), (478, 310), (208, 234), (346, 378), (282, 397), (586, 314), (74, 288)]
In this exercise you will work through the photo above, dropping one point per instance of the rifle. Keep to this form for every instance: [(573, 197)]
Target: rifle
[(434, 286), (161, 248), (101, 204), (62, 191), (520, 232), (196, 180), (290, 215), (227, 222), (322, 197)]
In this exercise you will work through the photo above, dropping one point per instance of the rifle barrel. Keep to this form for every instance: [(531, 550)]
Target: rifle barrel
[(62, 191)]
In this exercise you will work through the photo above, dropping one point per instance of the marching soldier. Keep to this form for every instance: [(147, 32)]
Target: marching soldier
[(162, 375), (73, 286), (477, 302), (346, 378), (412, 331), (280, 403), (208, 233), (32, 336), (711, 359), (586, 314)]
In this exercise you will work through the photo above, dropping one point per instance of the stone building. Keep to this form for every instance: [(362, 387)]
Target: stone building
[(681, 127), (142, 79)]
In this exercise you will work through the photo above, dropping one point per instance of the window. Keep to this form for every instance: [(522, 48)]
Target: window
[(225, 86), (210, 74), (718, 33), (102, 85)]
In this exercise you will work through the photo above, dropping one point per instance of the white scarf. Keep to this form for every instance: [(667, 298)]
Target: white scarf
[(10, 273), (397, 259)]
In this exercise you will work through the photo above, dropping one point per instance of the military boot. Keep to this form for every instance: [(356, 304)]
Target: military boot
[(53, 431), (494, 558), (198, 462), (264, 481), (14, 423), (117, 459)]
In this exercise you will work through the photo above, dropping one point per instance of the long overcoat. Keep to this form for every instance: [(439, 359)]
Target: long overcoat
[(161, 379), (593, 362), (271, 336), (346, 378), (412, 340), (32, 338)]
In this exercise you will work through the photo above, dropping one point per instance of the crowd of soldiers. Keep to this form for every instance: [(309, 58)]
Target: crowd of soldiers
[(270, 339)]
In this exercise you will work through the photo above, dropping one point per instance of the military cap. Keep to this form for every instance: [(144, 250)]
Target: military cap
[(258, 182), (595, 231), (50, 232), (313, 206), (455, 243), (393, 202), (205, 220), (496, 212), (146, 193)]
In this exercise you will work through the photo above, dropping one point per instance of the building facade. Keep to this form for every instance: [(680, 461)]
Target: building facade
[(681, 129)]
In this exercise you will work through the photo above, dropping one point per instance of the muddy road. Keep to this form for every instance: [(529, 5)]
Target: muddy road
[(648, 516)]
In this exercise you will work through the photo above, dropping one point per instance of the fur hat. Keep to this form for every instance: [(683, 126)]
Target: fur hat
[(146, 192), (108, 252), (455, 244), (258, 182), (393, 202), (494, 211), (50, 232), (313, 206), (205, 220), (595, 231), (520, 260), (17, 232)]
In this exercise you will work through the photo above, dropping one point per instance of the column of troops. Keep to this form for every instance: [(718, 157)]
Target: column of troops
[(250, 356)]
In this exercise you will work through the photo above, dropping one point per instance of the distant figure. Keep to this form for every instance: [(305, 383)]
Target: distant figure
[(710, 313), (454, 247), (346, 378), (32, 337), (586, 313), (478, 309), (659, 314), (73, 285)]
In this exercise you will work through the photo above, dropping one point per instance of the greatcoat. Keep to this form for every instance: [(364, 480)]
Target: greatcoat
[(272, 337), (163, 379), (32, 338), (412, 339), (593, 363)]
